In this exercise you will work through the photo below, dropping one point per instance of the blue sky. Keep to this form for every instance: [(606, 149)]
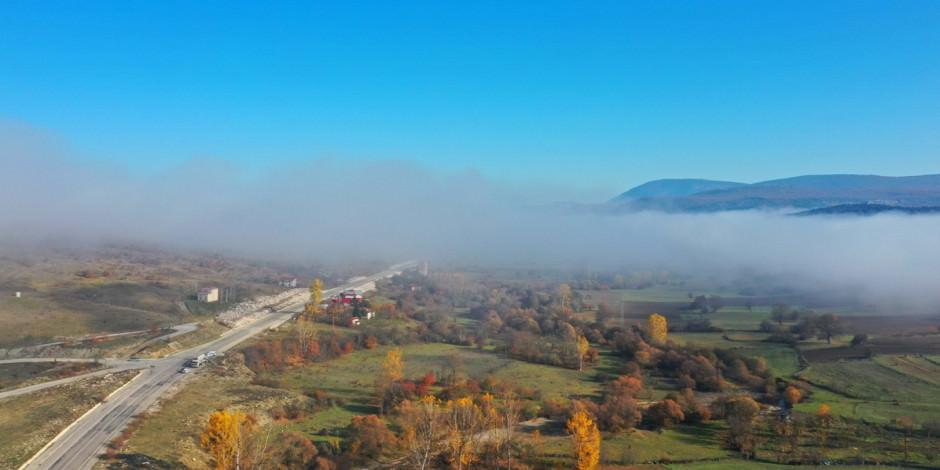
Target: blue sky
[(587, 94)]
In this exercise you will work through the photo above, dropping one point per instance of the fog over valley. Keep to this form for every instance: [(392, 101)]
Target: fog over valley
[(330, 210)]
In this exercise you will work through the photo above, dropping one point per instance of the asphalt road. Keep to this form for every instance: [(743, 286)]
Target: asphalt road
[(110, 366), (78, 446)]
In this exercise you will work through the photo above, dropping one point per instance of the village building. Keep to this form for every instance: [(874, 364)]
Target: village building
[(208, 294)]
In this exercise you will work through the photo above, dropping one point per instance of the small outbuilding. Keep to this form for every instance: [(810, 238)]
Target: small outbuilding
[(208, 294)]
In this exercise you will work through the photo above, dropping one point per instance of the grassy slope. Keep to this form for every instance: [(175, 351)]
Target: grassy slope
[(108, 291), (28, 422), (17, 375)]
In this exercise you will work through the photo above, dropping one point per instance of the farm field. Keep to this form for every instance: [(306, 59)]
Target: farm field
[(872, 380)]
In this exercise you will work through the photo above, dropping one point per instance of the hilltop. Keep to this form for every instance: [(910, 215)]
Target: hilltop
[(802, 192)]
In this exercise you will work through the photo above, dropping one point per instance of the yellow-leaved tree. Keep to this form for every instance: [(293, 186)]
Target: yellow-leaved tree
[(465, 424), (225, 437), (316, 296), (583, 347), (657, 328), (393, 366), (587, 440)]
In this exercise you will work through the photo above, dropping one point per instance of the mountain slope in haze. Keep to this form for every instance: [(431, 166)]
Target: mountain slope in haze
[(869, 209), (675, 188), (801, 192)]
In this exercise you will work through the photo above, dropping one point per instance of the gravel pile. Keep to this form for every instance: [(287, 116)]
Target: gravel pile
[(251, 308)]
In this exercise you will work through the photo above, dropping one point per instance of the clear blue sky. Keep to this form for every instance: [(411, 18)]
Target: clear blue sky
[(592, 94)]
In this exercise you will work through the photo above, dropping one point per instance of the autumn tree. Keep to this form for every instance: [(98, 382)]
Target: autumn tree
[(656, 328), (587, 440), (316, 297), (906, 423), (305, 331), (367, 437), (393, 371), (465, 423), (583, 347), (741, 411), (296, 451), (393, 367), (225, 438), (422, 431), (511, 414), (665, 413), (823, 423), (792, 395)]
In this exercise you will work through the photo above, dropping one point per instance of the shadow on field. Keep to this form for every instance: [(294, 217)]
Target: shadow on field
[(360, 408), (134, 461)]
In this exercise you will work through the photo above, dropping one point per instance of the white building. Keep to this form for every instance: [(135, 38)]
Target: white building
[(208, 294)]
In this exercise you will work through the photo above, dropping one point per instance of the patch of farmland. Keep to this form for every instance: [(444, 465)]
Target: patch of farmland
[(870, 380)]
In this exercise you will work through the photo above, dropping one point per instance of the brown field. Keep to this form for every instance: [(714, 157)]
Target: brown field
[(112, 289)]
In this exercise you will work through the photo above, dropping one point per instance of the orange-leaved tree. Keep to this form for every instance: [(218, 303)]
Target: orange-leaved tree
[(225, 437), (587, 440), (792, 395), (823, 422)]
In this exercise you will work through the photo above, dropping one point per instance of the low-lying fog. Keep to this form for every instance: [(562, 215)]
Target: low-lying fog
[(329, 209)]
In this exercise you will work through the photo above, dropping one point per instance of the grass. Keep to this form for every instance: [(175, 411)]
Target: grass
[(172, 433), (21, 374), (735, 318), (872, 380), (12, 375), (877, 390), (68, 295), (207, 330), (28, 422), (681, 443), (352, 376), (782, 359)]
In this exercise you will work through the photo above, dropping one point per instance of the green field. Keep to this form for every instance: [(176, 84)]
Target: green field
[(877, 390), (872, 380)]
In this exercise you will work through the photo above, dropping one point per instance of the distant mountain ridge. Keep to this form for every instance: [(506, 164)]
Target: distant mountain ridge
[(869, 209), (800, 192), (676, 187)]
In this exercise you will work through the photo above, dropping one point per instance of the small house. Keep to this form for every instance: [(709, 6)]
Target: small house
[(348, 296), (208, 294)]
